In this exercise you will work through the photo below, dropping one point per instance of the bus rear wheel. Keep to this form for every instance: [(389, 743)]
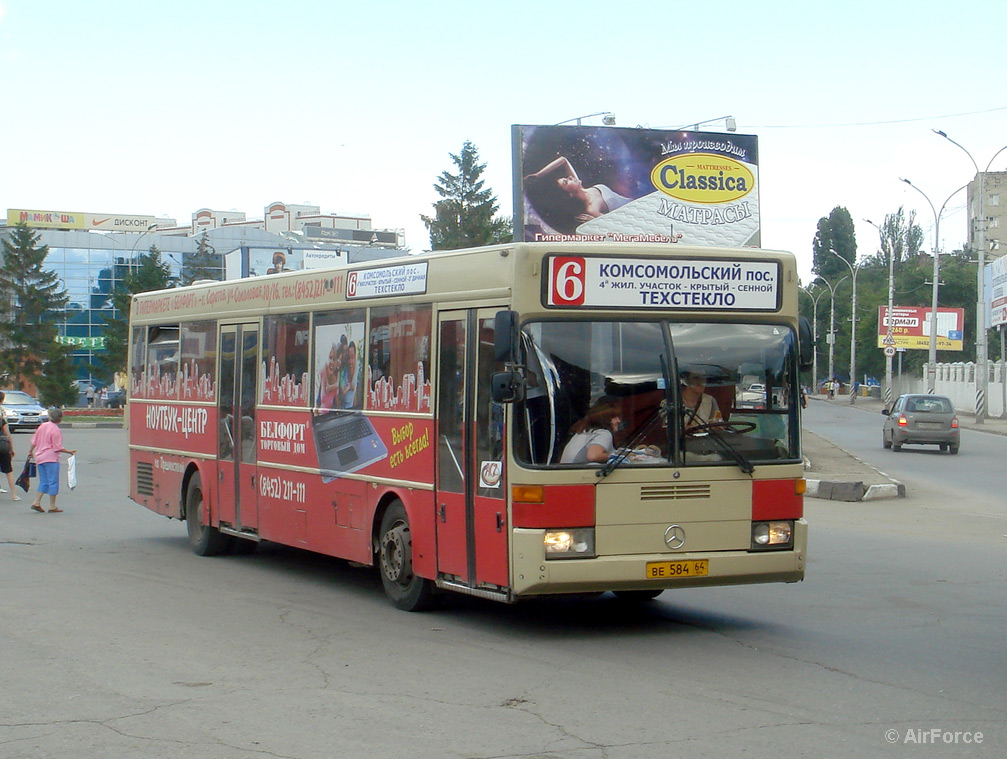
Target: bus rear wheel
[(395, 562), (204, 539)]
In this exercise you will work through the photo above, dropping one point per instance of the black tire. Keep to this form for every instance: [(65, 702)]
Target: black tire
[(204, 539), (638, 596), (395, 563), (896, 446), (885, 442), (954, 450), (943, 446)]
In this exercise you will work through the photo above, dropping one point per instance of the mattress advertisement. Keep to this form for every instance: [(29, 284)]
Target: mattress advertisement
[(611, 184)]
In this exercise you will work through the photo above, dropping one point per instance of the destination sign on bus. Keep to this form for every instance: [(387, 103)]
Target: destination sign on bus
[(675, 284), (387, 281)]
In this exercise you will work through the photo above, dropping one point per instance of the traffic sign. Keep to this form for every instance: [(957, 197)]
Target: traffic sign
[(888, 339), (889, 350)]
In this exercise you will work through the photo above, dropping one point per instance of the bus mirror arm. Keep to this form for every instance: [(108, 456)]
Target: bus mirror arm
[(805, 344), (508, 386)]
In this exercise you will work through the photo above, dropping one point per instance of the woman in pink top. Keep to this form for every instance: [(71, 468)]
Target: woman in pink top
[(46, 446)]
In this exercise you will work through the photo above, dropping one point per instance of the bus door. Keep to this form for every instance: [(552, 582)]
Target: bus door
[(239, 362), (470, 484)]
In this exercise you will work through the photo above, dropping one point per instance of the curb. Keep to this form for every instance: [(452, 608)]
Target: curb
[(92, 425), (831, 490), (852, 491)]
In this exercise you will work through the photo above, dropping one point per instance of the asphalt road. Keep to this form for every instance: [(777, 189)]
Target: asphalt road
[(976, 476), (115, 641)]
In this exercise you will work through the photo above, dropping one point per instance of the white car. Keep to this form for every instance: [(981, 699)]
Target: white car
[(21, 410)]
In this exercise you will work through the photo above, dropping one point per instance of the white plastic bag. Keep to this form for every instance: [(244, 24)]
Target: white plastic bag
[(71, 472)]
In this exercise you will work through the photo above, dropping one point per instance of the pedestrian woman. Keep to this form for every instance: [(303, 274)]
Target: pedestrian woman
[(7, 453), (46, 446)]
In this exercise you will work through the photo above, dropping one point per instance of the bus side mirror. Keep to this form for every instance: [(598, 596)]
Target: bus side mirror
[(505, 337), (507, 387), (805, 344)]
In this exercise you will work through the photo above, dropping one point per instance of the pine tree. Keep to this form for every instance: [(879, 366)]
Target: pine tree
[(152, 273), (466, 217), (205, 263), (34, 296)]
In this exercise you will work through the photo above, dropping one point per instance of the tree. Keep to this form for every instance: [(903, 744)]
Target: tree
[(205, 263), (466, 217), (835, 232), (31, 353), (902, 236), (53, 384), (151, 273)]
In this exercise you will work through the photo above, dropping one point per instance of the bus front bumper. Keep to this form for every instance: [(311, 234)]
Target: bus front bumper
[(535, 576)]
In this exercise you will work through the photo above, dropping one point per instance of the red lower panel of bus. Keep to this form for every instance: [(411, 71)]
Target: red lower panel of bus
[(776, 499), (562, 506)]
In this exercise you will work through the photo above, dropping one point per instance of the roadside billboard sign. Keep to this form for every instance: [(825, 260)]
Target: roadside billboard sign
[(609, 184), (909, 328), (996, 276)]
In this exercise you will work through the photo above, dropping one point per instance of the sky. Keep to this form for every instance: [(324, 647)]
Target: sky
[(160, 108)]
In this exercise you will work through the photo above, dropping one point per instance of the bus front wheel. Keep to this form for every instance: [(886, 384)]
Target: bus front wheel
[(395, 562), (204, 539)]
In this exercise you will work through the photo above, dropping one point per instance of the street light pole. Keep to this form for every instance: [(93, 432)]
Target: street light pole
[(136, 242), (854, 270), (889, 395), (832, 322), (814, 336), (932, 356), (982, 368)]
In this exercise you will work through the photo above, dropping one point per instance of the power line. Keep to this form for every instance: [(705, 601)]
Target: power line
[(872, 123)]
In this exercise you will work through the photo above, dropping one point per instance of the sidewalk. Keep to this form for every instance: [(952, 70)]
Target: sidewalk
[(835, 474)]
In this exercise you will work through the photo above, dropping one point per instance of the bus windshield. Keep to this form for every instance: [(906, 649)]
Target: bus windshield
[(658, 393)]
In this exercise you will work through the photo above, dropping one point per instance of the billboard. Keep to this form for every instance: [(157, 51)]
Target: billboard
[(910, 328), (77, 220), (46, 219), (609, 184), (996, 277), (256, 261)]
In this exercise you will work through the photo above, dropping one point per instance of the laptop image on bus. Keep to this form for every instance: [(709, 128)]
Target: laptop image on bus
[(345, 441)]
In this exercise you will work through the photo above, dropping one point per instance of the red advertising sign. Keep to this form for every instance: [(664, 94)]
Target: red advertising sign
[(909, 327)]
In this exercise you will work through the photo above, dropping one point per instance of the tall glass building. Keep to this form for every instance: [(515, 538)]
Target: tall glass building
[(92, 265)]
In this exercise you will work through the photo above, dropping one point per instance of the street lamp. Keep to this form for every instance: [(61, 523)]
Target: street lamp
[(891, 304), (729, 123), (854, 270), (832, 322), (814, 337), (932, 355), (136, 242), (982, 370), (607, 118)]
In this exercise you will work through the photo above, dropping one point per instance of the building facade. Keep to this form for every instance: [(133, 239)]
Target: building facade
[(92, 253), (991, 213)]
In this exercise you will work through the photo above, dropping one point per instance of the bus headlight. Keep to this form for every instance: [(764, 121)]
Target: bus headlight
[(770, 535), (569, 544)]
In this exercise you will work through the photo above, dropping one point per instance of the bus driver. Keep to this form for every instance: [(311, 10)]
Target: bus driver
[(698, 408)]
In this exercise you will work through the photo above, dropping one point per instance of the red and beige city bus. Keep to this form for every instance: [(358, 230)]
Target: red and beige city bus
[(427, 416)]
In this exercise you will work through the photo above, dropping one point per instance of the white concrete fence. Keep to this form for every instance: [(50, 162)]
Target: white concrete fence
[(958, 382)]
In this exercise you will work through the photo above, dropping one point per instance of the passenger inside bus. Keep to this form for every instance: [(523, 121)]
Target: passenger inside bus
[(593, 436)]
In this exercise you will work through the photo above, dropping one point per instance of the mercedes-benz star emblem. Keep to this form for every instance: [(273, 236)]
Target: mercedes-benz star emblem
[(674, 537)]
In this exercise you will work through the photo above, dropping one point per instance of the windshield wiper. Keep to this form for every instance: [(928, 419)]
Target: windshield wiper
[(739, 458), (617, 458)]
